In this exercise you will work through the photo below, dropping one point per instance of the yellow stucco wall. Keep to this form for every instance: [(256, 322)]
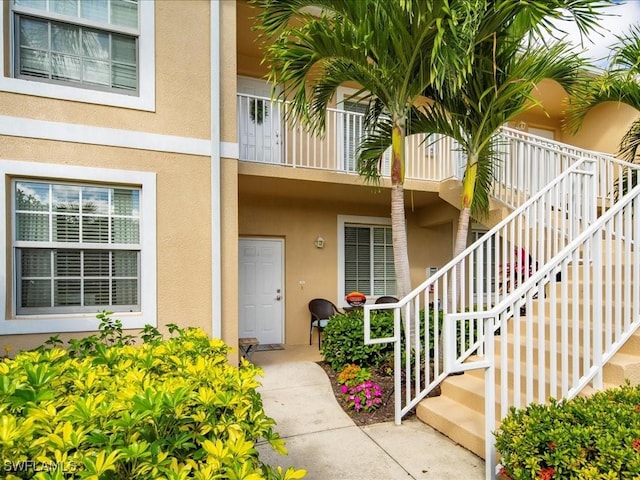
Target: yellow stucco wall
[(300, 221), (604, 126), (183, 241), (182, 82)]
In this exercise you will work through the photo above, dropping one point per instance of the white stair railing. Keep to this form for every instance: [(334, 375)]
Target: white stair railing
[(478, 280), (474, 281), (579, 309), (527, 163)]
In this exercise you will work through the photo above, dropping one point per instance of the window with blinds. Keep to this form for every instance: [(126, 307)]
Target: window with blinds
[(352, 133), (353, 130), (88, 43), (368, 260), (77, 248)]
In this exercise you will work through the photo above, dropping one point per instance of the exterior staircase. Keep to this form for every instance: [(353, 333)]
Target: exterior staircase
[(490, 340)]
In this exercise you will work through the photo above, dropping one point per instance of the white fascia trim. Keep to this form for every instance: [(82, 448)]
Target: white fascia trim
[(229, 149), (351, 219), (146, 98), (148, 273), (216, 147), (113, 137)]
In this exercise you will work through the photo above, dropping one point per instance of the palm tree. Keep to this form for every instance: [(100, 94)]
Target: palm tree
[(394, 51), (620, 83), (508, 60)]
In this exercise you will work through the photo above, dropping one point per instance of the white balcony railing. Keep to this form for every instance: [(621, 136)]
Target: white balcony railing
[(265, 137), (527, 163)]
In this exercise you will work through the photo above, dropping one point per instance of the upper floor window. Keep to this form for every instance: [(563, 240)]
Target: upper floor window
[(99, 52), (76, 247), (92, 44)]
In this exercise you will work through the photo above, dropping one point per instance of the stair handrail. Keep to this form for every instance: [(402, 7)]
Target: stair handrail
[(601, 349), (432, 296)]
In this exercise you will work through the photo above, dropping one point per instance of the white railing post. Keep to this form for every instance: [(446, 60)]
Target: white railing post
[(489, 400)]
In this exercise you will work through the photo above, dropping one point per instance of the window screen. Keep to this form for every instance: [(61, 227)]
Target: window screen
[(77, 247), (89, 43), (368, 264)]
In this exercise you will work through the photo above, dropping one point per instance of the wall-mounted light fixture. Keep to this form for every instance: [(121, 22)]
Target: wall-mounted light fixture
[(319, 242)]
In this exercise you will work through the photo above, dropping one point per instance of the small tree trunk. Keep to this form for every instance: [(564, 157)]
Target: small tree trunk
[(462, 233), (398, 223)]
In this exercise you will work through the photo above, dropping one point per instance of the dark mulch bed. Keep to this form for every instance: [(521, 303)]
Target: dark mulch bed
[(384, 413)]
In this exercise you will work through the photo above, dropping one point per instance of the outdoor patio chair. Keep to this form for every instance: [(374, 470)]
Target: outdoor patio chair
[(386, 299), (321, 311)]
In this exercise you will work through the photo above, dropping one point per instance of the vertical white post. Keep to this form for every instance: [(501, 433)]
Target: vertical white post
[(489, 401), (216, 256)]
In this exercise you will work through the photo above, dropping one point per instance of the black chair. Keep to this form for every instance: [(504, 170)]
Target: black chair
[(321, 311), (387, 299)]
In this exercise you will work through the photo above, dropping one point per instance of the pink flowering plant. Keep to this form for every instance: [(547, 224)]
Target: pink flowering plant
[(358, 390)]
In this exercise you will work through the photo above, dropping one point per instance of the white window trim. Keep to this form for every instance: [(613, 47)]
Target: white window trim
[(10, 323), (352, 219), (144, 100)]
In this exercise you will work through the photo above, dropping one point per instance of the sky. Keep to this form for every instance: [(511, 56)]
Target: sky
[(619, 17)]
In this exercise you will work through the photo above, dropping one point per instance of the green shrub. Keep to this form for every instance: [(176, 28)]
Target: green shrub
[(587, 438), (168, 409), (343, 341)]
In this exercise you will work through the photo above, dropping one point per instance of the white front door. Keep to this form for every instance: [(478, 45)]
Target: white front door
[(260, 290), (259, 122)]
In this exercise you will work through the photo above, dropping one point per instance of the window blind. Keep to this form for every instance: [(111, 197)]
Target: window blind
[(368, 260), (88, 272)]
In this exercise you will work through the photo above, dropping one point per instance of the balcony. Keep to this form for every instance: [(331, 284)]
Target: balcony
[(264, 137)]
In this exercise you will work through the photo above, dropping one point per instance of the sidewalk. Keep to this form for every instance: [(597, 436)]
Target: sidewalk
[(322, 439)]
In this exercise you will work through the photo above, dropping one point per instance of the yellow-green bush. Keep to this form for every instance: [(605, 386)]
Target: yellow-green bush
[(168, 409)]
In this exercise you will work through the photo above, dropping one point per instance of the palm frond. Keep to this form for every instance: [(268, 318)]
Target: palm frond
[(630, 144), (376, 141), (488, 162), (590, 92)]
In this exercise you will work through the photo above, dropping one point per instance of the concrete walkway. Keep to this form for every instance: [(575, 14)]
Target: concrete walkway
[(322, 439)]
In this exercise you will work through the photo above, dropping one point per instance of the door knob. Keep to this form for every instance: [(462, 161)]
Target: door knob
[(278, 297)]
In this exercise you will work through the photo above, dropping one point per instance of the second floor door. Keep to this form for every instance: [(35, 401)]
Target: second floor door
[(260, 132)]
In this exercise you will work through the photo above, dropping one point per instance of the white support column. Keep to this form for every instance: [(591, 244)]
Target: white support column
[(216, 211)]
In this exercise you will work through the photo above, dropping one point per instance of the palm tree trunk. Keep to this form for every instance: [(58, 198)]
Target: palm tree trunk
[(462, 233), (399, 233), (398, 224), (468, 191)]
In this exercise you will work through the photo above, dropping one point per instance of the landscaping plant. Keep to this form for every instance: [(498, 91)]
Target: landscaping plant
[(107, 410), (343, 341), (358, 390), (595, 437)]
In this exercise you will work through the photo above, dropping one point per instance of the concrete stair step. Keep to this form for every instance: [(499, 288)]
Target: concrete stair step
[(459, 411), (622, 367), (455, 420), (631, 347)]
